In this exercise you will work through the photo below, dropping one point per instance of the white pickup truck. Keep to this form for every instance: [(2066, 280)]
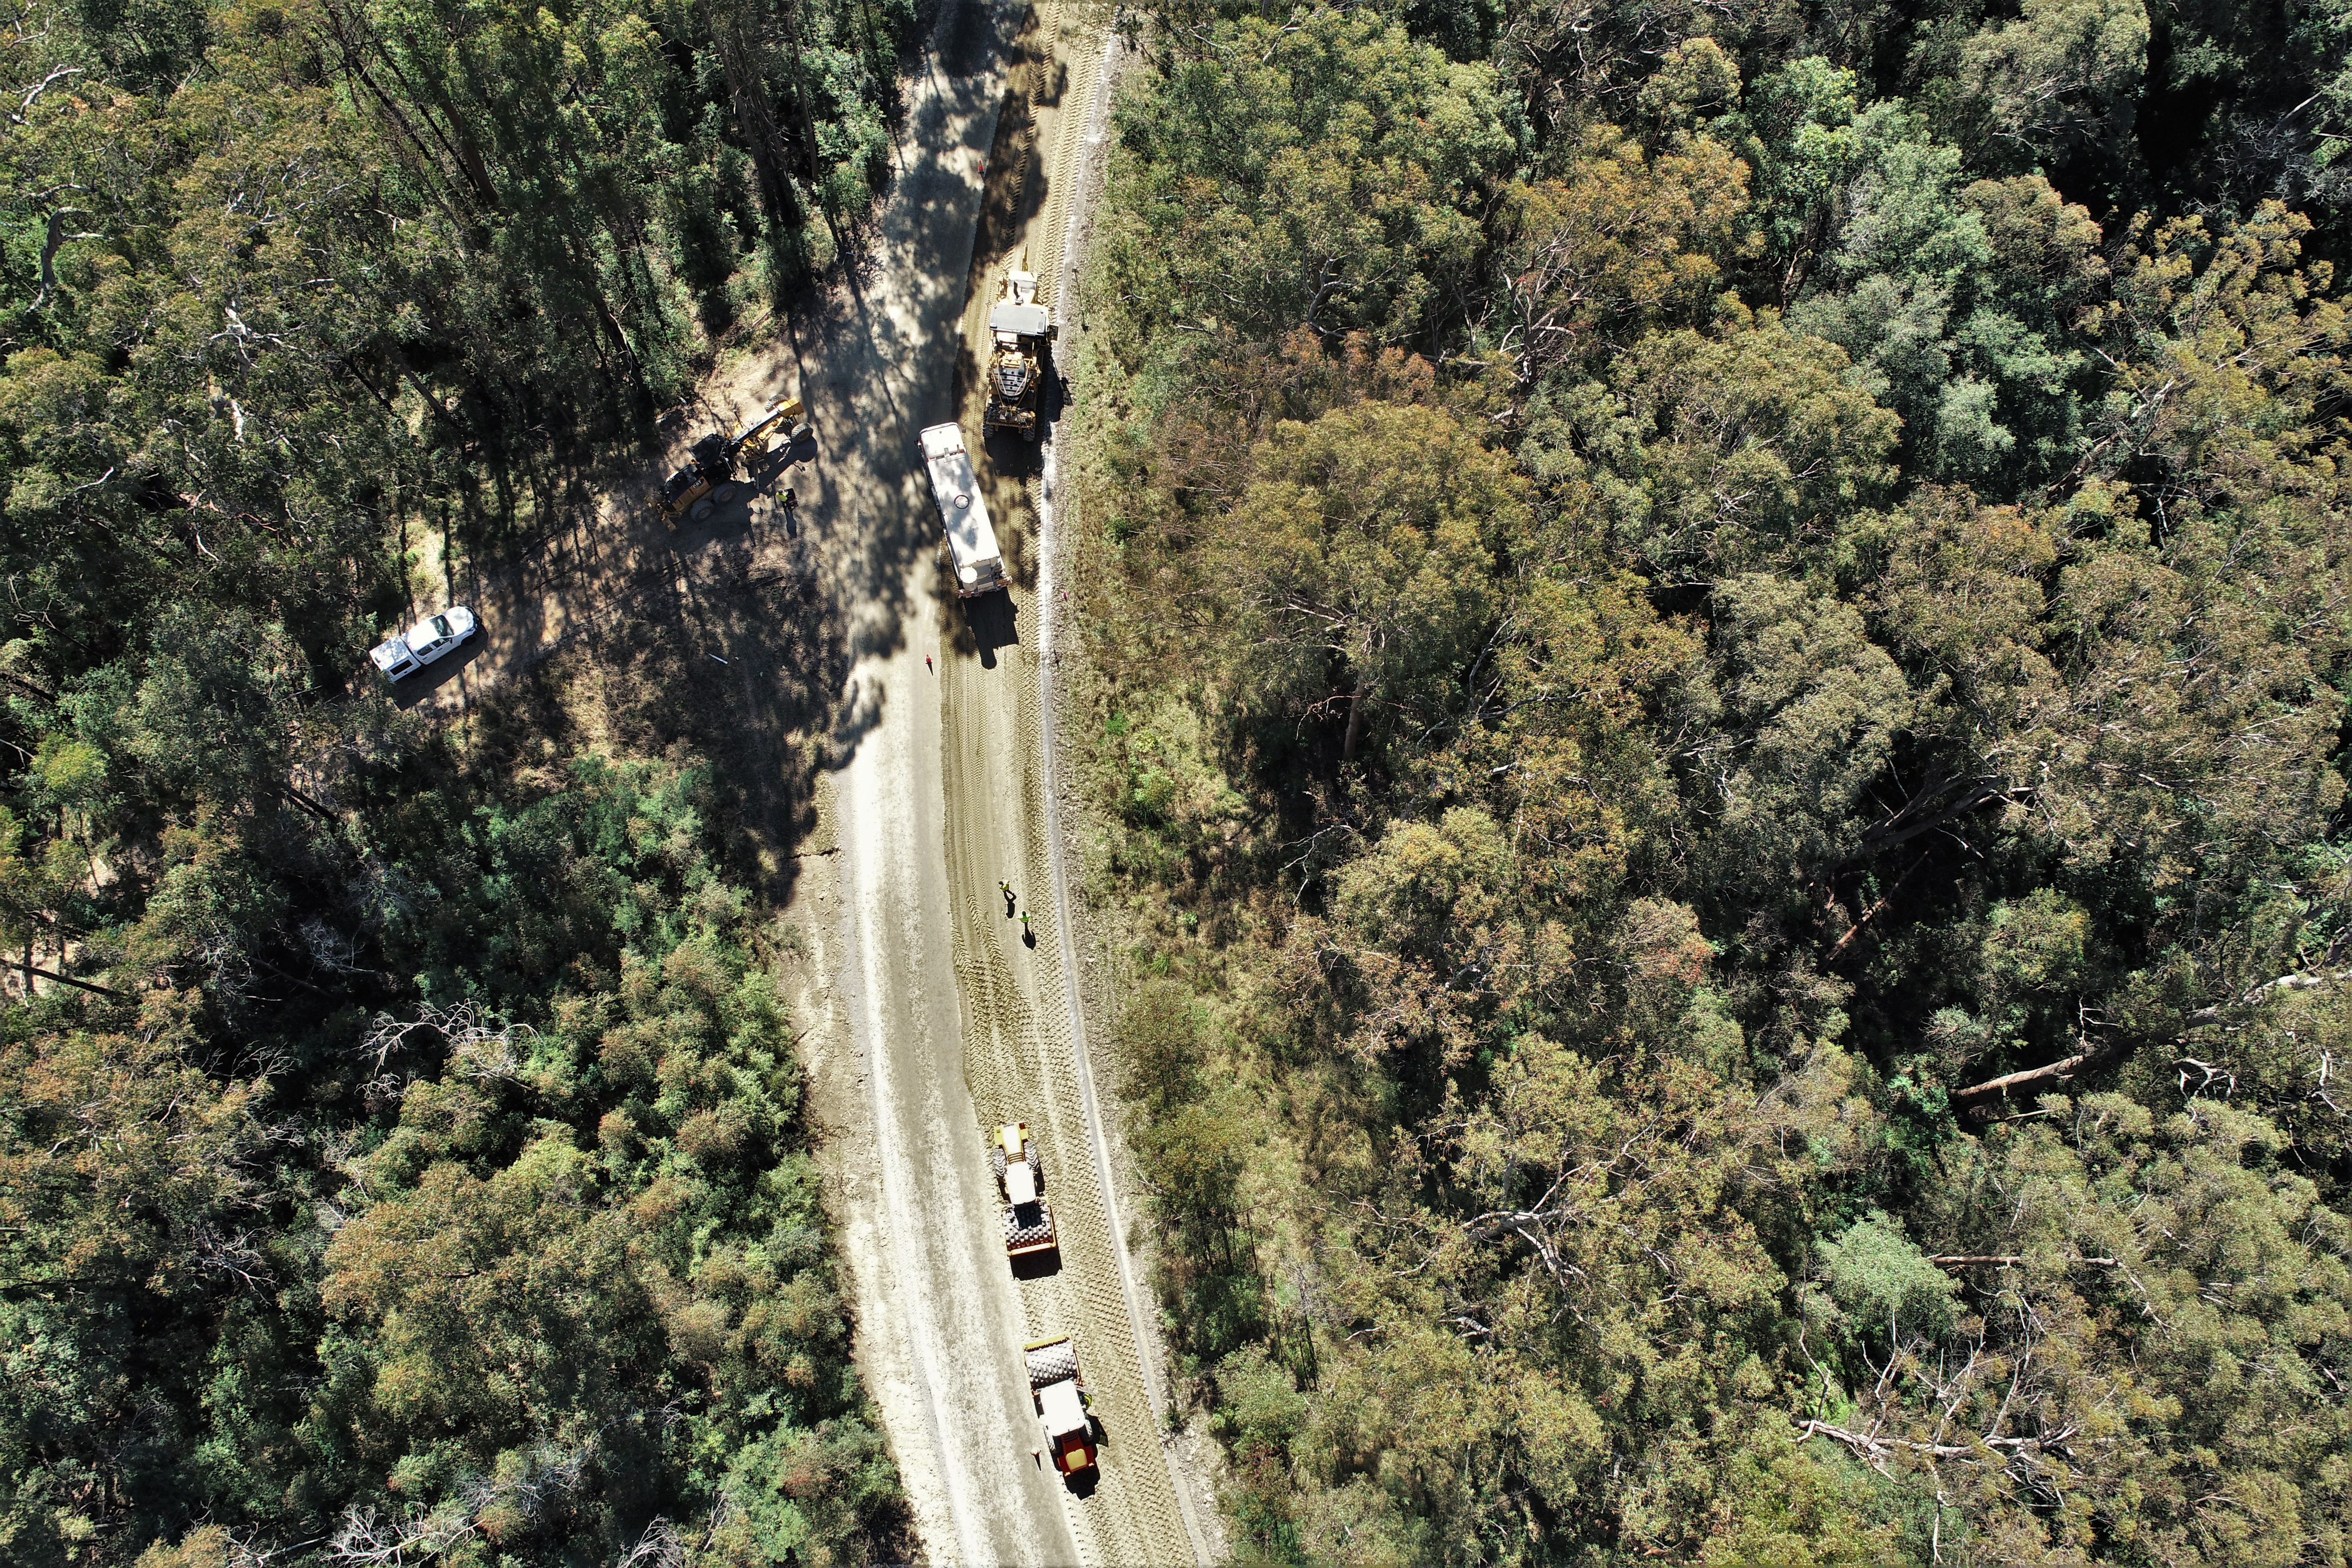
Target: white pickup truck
[(972, 542), (423, 642)]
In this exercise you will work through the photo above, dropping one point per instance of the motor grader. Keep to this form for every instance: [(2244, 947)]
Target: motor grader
[(1020, 1183), (707, 482), (1019, 331)]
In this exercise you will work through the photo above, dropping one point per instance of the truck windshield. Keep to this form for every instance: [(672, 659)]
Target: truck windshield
[(440, 626)]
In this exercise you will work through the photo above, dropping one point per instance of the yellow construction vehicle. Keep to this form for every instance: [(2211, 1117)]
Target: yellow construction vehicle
[(707, 480), (1019, 329), (1021, 1182), (780, 422)]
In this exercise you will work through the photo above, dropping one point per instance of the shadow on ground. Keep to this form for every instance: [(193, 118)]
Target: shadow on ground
[(425, 683), (1036, 1265)]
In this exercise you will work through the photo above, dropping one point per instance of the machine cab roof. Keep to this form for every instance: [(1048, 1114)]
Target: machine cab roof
[(1065, 1419)]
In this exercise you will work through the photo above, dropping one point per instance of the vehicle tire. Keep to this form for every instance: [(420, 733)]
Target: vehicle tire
[(1037, 431), (996, 1160), (802, 431), (702, 510), (1036, 1167), (722, 495)]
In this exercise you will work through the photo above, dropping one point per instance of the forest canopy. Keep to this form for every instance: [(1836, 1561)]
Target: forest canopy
[(1723, 662), (401, 1146)]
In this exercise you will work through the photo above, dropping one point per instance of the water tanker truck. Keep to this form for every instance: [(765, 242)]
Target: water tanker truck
[(971, 541)]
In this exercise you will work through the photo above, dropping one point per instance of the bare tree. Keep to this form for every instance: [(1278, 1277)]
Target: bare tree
[(364, 1536), (658, 1547), (481, 1045)]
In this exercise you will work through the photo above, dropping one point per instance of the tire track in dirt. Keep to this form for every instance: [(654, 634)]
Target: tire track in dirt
[(1076, 30), (1020, 1066), (1087, 126), (1020, 1048)]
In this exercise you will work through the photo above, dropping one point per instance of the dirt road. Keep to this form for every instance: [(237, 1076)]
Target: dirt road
[(950, 1020), (1024, 1055), (940, 1327)]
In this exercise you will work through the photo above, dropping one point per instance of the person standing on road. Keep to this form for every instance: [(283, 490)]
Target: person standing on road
[(1024, 923), (1006, 889)]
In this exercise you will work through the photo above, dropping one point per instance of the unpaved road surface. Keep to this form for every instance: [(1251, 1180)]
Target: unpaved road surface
[(1024, 1050), (939, 1328), (934, 1016)]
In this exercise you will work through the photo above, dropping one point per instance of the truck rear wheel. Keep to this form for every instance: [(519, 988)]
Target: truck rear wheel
[(702, 510), (723, 494), (1036, 1167), (996, 1160)]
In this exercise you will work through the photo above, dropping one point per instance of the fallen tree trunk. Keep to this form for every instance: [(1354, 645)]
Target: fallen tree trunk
[(62, 979), (2067, 1067), (2064, 1066), (2007, 1260), (2300, 980), (1872, 1445)]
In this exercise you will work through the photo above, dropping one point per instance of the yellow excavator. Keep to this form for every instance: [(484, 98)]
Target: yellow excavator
[(707, 482)]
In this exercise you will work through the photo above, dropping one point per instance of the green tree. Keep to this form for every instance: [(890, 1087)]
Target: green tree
[(1354, 569), (1731, 450), (2065, 75), (1329, 173)]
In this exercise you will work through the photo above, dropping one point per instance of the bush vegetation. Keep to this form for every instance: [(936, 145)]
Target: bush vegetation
[(401, 1153), (1723, 641)]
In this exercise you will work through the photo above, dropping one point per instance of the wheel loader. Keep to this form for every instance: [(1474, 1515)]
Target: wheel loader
[(707, 482), (1020, 1183), (1019, 328), (1060, 1395)]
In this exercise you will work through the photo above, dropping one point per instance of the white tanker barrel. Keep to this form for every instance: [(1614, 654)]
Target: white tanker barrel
[(972, 539)]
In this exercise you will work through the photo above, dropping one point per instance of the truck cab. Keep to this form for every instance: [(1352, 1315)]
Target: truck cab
[(1064, 1416)]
